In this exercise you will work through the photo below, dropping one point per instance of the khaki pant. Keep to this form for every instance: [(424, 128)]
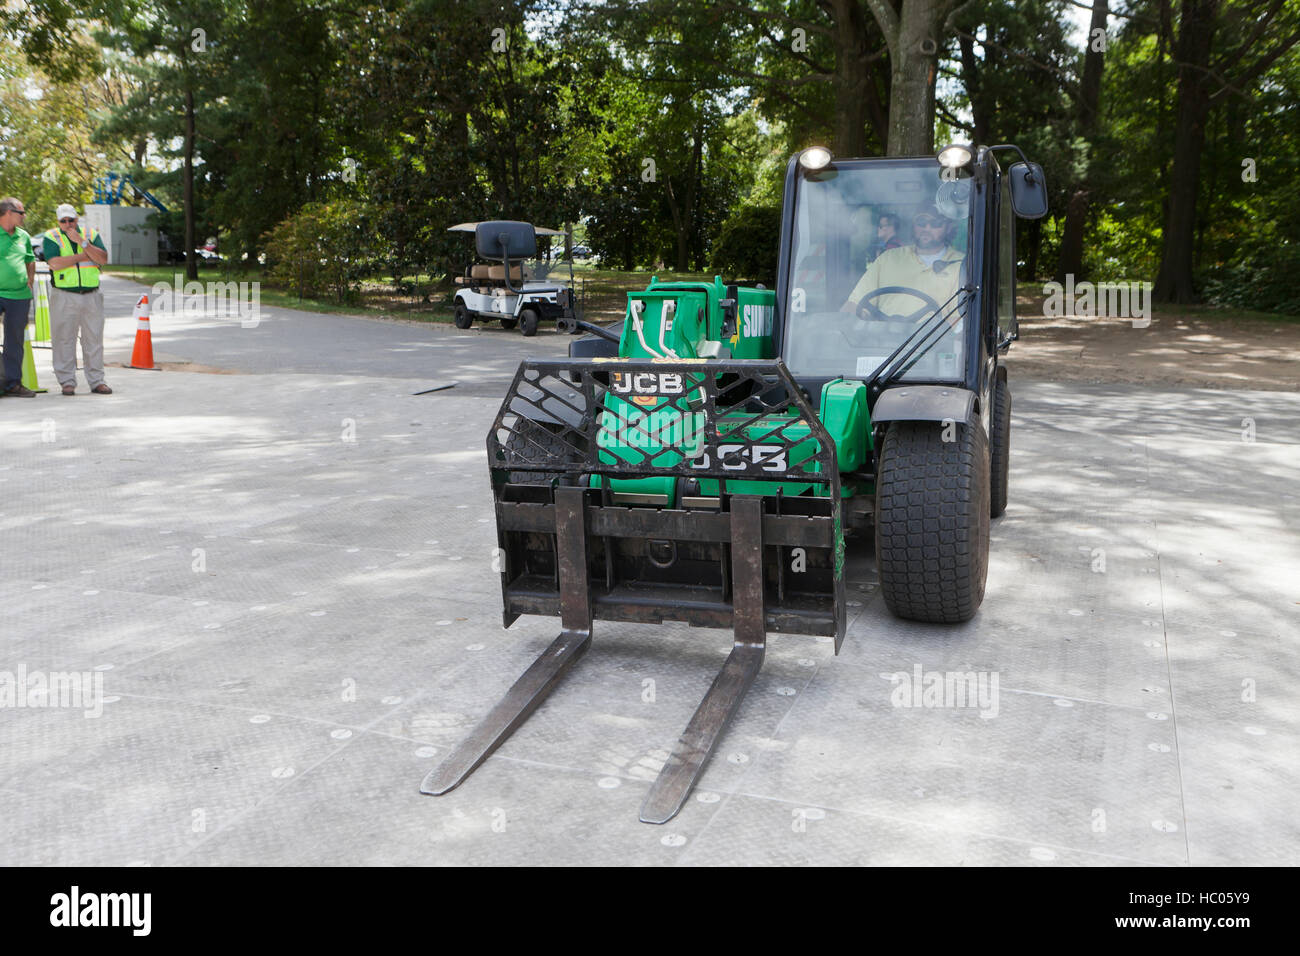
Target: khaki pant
[(71, 313)]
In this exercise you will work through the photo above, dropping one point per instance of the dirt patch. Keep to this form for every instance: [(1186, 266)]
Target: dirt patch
[(1188, 349), (183, 367)]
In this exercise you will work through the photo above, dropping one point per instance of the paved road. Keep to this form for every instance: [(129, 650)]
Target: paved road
[(283, 584), (291, 342)]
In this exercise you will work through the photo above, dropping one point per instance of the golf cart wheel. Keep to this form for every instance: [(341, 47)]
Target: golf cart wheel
[(999, 444), (509, 322), (932, 520), (538, 442), (464, 319), (528, 321)]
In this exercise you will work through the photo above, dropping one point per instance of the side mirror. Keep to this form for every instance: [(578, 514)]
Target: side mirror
[(1028, 190), (503, 238)]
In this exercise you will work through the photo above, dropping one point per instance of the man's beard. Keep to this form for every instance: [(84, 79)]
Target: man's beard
[(933, 247)]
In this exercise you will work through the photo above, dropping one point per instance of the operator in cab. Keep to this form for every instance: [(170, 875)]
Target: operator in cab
[(929, 264)]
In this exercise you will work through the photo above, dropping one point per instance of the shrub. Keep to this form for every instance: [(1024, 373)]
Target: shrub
[(1264, 281), (746, 245), (325, 248)]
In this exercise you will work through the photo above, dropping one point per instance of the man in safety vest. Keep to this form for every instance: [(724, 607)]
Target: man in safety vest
[(76, 302)]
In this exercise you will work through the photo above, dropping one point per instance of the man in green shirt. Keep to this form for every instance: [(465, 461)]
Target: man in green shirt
[(17, 274)]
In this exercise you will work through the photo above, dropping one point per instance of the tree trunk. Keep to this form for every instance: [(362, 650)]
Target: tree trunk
[(981, 107), (692, 188), (191, 259), (684, 212), (855, 94), (1034, 243), (1195, 38), (914, 34), (1070, 258)]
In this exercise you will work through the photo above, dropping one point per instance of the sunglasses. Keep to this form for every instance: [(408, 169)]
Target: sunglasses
[(19, 212), (926, 222), (67, 220)]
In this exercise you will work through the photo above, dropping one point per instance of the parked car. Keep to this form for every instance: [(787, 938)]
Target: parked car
[(169, 253)]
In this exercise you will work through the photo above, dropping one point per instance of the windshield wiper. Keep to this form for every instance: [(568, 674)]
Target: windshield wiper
[(911, 349)]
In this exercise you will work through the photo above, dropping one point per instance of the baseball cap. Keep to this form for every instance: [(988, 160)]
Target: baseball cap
[(65, 212)]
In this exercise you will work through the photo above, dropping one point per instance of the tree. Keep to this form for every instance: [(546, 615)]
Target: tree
[(1248, 43), (46, 152), (174, 46), (1011, 61), (1070, 257)]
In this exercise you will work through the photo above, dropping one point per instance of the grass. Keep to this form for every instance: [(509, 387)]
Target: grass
[(606, 290), (379, 297)]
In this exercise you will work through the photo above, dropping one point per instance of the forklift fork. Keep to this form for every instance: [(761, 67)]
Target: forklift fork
[(698, 741), (538, 681)]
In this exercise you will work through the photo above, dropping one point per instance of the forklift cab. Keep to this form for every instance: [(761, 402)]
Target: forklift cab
[(934, 310)]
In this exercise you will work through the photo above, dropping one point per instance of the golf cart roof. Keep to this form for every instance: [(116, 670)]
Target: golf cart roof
[(471, 226)]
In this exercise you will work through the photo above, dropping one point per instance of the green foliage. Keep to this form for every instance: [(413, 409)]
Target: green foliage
[(413, 115), (1247, 232), (1265, 282), (322, 249), (42, 125), (747, 244)]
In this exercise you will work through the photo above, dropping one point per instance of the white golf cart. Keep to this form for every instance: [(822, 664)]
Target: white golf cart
[(514, 286)]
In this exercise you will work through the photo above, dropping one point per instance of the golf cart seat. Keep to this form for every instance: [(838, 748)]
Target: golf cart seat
[(478, 275), (498, 273)]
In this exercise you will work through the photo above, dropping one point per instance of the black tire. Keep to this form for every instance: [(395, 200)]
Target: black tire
[(464, 318), (528, 321), (538, 442), (932, 521), (999, 444), (509, 322)]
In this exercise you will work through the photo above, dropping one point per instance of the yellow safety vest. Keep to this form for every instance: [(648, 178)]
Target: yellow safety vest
[(82, 275)]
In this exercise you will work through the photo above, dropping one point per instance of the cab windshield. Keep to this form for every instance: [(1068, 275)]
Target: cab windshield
[(879, 249)]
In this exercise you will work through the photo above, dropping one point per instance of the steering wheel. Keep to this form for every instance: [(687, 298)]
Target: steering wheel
[(868, 311)]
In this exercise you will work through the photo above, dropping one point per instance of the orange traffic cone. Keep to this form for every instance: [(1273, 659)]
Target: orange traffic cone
[(142, 354)]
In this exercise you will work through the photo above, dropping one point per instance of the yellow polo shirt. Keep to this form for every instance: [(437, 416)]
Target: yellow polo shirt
[(901, 266)]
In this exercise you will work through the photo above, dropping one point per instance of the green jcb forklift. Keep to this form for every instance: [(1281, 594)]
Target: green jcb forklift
[(706, 462)]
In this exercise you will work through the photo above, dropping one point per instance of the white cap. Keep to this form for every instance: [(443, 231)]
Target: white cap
[(65, 212)]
